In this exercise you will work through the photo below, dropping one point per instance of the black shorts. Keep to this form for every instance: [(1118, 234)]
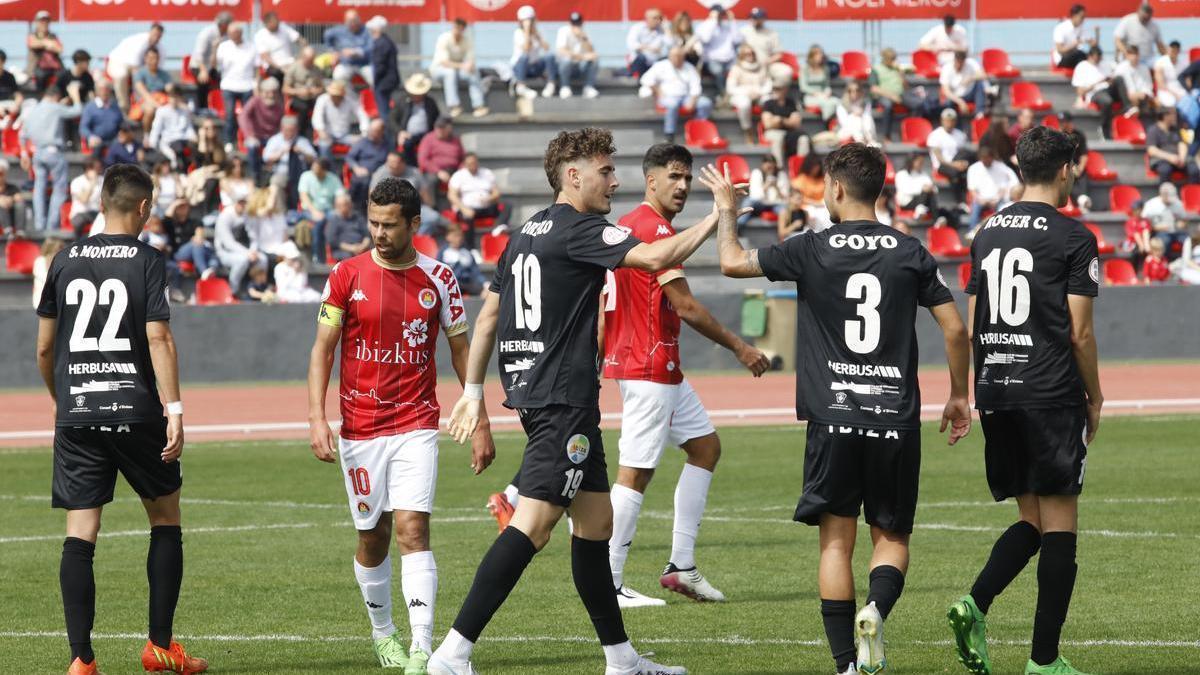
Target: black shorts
[(86, 461), (846, 467), (1040, 451), (564, 454)]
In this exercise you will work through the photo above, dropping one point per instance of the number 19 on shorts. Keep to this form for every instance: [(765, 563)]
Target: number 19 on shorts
[(574, 478)]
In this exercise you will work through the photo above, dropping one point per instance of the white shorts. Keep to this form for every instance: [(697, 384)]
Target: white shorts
[(655, 413), (389, 473)]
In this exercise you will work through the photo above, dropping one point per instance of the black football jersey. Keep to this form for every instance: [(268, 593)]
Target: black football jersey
[(549, 280), (858, 286), (1025, 260), (103, 290)]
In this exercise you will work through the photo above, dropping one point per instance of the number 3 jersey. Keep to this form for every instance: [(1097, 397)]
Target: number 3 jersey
[(549, 280), (1025, 260), (103, 291), (858, 286)]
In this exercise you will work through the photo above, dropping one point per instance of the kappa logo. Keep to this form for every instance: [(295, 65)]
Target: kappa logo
[(416, 332), (358, 295), (578, 448), (427, 298), (416, 602), (663, 231)]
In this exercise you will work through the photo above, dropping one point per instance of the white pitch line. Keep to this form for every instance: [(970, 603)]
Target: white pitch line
[(142, 533)]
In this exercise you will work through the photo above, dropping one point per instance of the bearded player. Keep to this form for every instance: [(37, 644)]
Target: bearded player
[(385, 308)]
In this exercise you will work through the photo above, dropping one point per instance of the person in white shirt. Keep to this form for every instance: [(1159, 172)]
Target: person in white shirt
[(719, 39), (1166, 76), (173, 132), (1167, 216), (85, 196), (127, 57), (233, 254), (945, 40), (947, 151), (1094, 84), (203, 62), (453, 62), (647, 43), (964, 82), (238, 61), (748, 84), (855, 118), (675, 85), (915, 189), (291, 279), (277, 44), (576, 58), (764, 40), (1139, 83), (337, 118), (474, 194), (1070, 40), (1140, 29), (532, 57), (266, 225), (990, 183), (769, 188)]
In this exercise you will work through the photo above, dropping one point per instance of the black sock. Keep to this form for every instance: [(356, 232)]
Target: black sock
[(593, 582), (838, 616), (164, 571), (887, 582), (1010, 555), (78, 584), (1056, 580), (499, 571)]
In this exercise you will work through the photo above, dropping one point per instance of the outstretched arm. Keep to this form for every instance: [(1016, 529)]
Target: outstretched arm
[(467, 412), (957, 414), (670, 251), (691, 310)]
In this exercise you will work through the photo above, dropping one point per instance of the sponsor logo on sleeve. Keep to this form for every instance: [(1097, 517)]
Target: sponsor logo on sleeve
[(614, 235), (578, 447)]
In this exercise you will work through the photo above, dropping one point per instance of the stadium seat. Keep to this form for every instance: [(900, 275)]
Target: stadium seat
[(1190, 194), (855, 65), (1065, 72), (964, 275), (1119, 272), (789, 59), (491, 246), (1177, 176), (187, 268), (979, 126), (703, 134), (214, 291), (1027, 95), (11, 139), (889, 171), (1051, 122), (185, 72), (915, 130), (1071, 210), (19, 255), (739, 168), (1097, 167), (925, 63), (762, 137), (1194, 54), (425, 245), (347, 172), (1103, 247), (366, 98), (944, 241), (64, 216), (997, 64), (794, 163), (1122, 197), (216, 103), (1128, 129)]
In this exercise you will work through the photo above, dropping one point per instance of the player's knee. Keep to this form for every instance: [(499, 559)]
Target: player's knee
[(373, 544), (634, 478), (412, 535), (704, 452)]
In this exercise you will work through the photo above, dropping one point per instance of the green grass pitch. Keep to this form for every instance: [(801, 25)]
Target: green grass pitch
[(269, 588)]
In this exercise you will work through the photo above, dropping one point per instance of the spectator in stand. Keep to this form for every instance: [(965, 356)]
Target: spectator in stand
[(337, 118), (238, 62), (291, 279), (1070, 40), (816, 85), (440, 153), (85, 196), (915, 189), (1166, 76), (1167, 217), (948, 153), (266, 225), (1139, 82), (1155, 269), (1166, 152), (719, 38), (12, 203), (287, 153), (259, 288), (768, 190), (124, 150), (1003, 145), (351, 43), (990, 183), (675, 85), (234, 255), (127, 57), (168, 187), (45, 52), (200, 253), (647, 42), (781, 121), (945, 40), (855, 118), (172, 133), (364, 158), (1066, 122), (209, 149), (1025, 122), (303, 82), (532, 57), (889, 88), (810, 184), (395, 167), (1140, 30), (346, 230), (414, 116), (576, 58), (318, 188), (41, 266), (764, 41), (276, 43), (747, 85), (101, 119), (1187, 266), (235, 183), (683, 34), (453, 63), (10, 93), (1137, 233), (81, 72), (203, 61), (474, 194), (149, 86), (461, 261), (259, 121), (964, 83), (384, 68), (1094, 84), (43, 127), (793, 220)]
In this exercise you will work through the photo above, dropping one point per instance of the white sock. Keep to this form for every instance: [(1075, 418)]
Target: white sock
[(626, 505), (376, 586), (691, 494), (512, 494), (622, 655), (419, 581), (455, 648)]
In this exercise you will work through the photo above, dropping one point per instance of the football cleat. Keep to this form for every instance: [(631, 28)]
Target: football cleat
[(391, 652), (439, 666), (174, 659), (646, 667), (628, 598), (851, 669), (78, 667), (691, 583), (868, 633), (1060, 666), (418, 661), (969, 626), (501, 510)]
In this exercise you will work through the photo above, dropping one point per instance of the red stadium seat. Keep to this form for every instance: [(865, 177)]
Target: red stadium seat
[(739, 169), (1097, 167), (425, 245), (216, 103), (979, 125), (944, 241), (964, 275), (915, 130), (1027, 95), (997, 64), (794, 163), (889, 171), (19, 255), (1051, 122), (339, 149), (185, 73), (64, 216), (187, 268), (214, 291), (1128, 129), (789, 59), (1071, 210), (366, 98), (347, 172), (703, 134), (1102, 245), (1119, 272), (491, 246), (855, 65), (1194, 54), (1066, 72), (11, 139), (1190, 194), (925, 63), (1122, 197), (1177, 176)]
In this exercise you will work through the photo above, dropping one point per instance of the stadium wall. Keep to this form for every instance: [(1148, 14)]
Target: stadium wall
[(271, 343)]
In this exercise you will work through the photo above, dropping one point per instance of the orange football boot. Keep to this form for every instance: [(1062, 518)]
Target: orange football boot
[(501, 509), (78, 667), (155, 659)]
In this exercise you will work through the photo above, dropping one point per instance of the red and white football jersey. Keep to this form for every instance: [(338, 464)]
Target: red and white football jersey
[(641, 329), (390, 316)]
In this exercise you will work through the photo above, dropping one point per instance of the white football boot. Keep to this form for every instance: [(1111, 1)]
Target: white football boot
[(628, 598), (646, 667), (690, 583), (868, 633), (438, 666)]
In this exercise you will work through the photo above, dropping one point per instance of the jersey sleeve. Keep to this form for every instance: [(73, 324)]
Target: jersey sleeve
[(452, 314), (972, 281), (596, 241), (1083, 263), (48, 304), (157, 306), (784, 261), (333, 299), (932, 289)]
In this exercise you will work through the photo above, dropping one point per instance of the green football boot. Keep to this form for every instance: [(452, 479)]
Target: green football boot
[(1059, 666), (391, 652), (418, 662), (969, 626)]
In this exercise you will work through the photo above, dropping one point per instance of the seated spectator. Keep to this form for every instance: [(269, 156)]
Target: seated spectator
[(234, 254), (1139, 83), (149, 86), (209, 148), (172, 133), (43, 128), (440, 153), (1070, 40), (768, 190), (945, 40), (155, 236), (1187, 266), (1167, 217), (810, 184), (169, 187), (318, 187), (647, 43), (576, 59), (683, 35), (124, 150), (1095, 85), (888, 87), (236, 183), (1155, 269), (747, 85), (276, 44), (855, 118), (461, 261), (964, 83), (532, 57), (454, 63), (998, 138), (303, 82), (365, 156), (291, 279), (1166, 76), (1066, 123), (816, 85), (81, 72), (781, 121), (41, 266), (990, 183), (719, 38), (238, 62), (259, 288), (1137, 232), (125, 59), (793, 220), (176, 218), (385, 72), (1025, 122), (203, 62), (351, 43), (266, 224), (45, 52), (346, 230), (337, 118), (915, 190), (949, 154), (259, 121), (415, 115), (395, 167), (10, 93), (765, 42), (1165, 150), (287, 153), (473, 194), (200, 253), (885, 206), (101, 119), (675, 85), (12, 203), (1138, 29)]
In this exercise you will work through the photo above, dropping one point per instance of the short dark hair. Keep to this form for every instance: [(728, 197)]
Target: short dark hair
[(157, 26), (3, 55), (1095, 51), (569, 146), (860, 168), (80, 56), (470, 154), (665, 154), (948, 21), (125, 187), (1041, 154), (152, 50), (1176, 44), (270, 15), (397, 191), (1077, 9), (986, 151), (461, 22), (1134, 49)]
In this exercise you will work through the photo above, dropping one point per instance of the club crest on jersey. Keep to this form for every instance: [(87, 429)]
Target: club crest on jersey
[(80, 400), (427, 298), (1094, 270), (578, 448), (416, 332), (364, 508), (614, 235)]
